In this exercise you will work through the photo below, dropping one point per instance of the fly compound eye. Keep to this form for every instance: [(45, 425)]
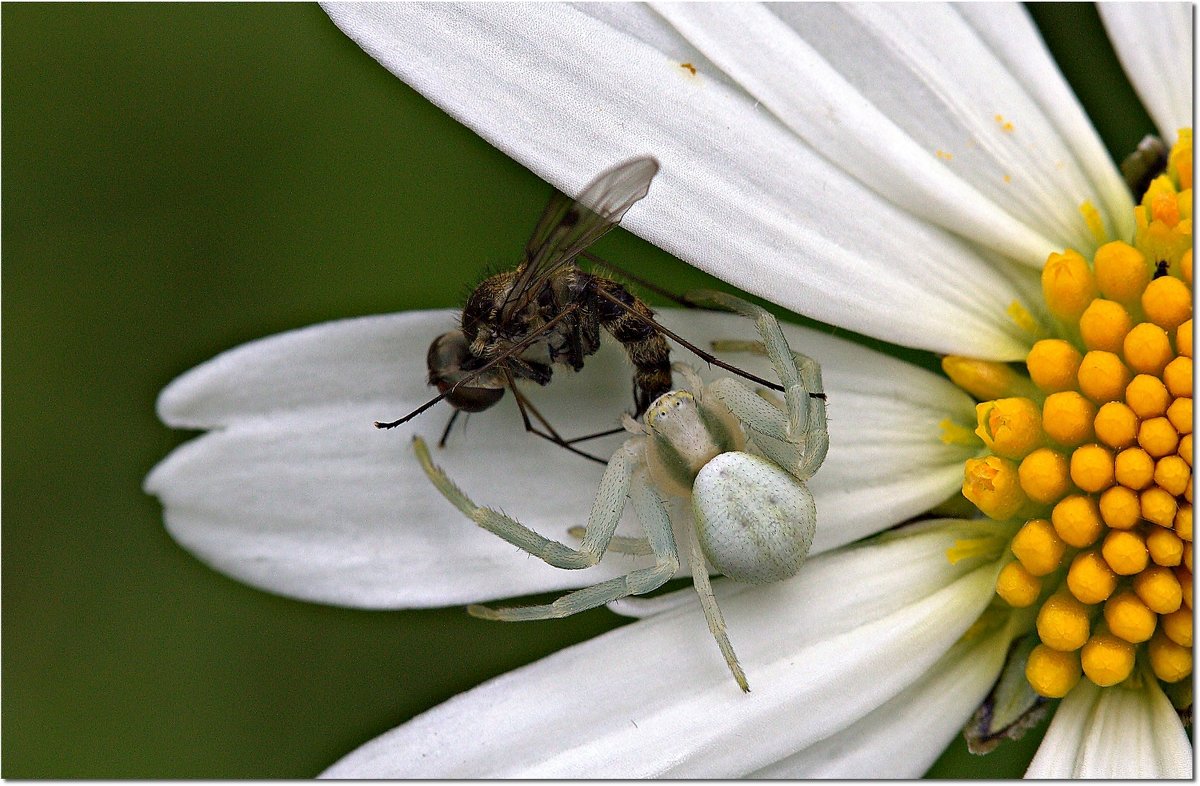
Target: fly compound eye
[(470, 399)]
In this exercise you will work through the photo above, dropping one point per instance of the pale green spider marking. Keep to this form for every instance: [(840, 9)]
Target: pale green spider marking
[(752, 516)]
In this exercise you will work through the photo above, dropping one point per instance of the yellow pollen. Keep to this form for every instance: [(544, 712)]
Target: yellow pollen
[(1023, 319), (1093, 451), (1116, 424), (1068, 285), (942, 154), (1104, 325), (956, 434), (1009, 427), (1107, 659), (1095, 223), (1067, 417), (1038, 547), (1052, 673), (986, 379)]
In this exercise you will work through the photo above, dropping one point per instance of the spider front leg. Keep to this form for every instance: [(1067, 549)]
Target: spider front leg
[(652, 513), (602, 523)]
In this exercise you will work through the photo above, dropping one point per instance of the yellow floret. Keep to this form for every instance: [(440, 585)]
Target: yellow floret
[(1147, 396), (1116, 424), (1158, 506), (1165, 546), (1180, 415), (1052, 673), (1178, 626), (1038, 547), (1125, 552), (1092, 468), (1159, 589), (993, 485), (1090, 579), (986, 379), (1147, 348), (1170, 661), (1185, 268), (1183, 338), (1184, 451), (1104, 325), (1158, 437), (1077, 520), (1178, 376), (1167, 302), (1009, 427), (1053, 365), (1185, 583), (1107, 659), (1183, 522), (1129, 618), (1120, 508), (1067, 417), (1121, 271), (1068, 285), (1062, 622), (1017, 586), (1134, 468), (1172, 474), (1102, 377), (1044, 476)]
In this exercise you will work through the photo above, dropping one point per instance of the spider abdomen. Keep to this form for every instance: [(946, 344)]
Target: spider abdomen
[(755, 524)]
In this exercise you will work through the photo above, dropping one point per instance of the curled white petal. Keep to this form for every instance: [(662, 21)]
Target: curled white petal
[(903, 737), (568, 92), (654, 699), (1154, 44), (1111, 733), (294, 491)]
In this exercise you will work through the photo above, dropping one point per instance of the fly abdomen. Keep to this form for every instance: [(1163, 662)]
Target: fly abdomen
[(645, 345)]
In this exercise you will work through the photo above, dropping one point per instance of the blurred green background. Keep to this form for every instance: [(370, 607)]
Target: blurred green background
[(179, 180)]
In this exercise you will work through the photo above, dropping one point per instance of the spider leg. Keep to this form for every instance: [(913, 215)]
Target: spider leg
[(620, 544), (712, 612), (606, 512), (652, 513)]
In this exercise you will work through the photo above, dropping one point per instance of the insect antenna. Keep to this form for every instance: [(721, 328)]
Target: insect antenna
[(520, 346), (707, 357)]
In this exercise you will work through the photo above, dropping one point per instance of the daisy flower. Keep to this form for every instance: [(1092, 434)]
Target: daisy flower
[(920, 174)]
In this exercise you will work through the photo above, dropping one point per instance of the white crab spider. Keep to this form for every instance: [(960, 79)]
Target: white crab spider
[(752, 516)]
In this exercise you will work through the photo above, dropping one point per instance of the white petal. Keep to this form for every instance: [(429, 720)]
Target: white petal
[(1112, 733), (1012, 37), (297, 493), (1154, 44), (903, 738), (654, 699), (568, 94), (887, 92)]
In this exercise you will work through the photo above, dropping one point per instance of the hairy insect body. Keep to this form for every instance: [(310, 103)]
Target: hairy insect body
[(576, 336)]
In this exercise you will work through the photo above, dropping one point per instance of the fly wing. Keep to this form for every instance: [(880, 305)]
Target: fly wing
[(568, 226)]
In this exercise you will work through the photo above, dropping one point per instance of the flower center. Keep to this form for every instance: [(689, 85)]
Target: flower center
[(1092, 454)]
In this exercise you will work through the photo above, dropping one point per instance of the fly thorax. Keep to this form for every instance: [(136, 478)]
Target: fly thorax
[(684, 435)]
